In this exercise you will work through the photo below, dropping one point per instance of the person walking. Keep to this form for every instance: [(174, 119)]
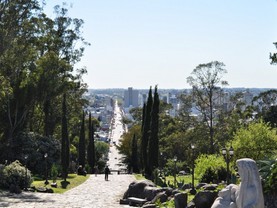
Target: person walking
[(107, 172)]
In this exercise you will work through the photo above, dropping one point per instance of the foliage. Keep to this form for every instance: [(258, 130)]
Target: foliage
[(146, 134), (65, 141), (34, 146), (257, 141), (153, 149), (206, 164), (101, 154), (91, 146), (54, 172), (205, 81), (125, 147), (15, 174), (134, 155), (82, 144), (272, 179), (268, 172)]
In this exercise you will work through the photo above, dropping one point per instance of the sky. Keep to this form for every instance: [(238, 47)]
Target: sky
[(143, 43)]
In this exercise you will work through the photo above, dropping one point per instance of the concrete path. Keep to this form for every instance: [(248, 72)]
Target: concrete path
[(94, 193)]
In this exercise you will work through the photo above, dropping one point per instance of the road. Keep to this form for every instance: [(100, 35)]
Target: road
[(116, 132)]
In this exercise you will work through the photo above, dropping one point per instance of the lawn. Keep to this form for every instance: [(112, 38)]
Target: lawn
[(73, 179)]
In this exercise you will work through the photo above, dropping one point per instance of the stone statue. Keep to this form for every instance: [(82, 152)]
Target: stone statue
[(249, 192)]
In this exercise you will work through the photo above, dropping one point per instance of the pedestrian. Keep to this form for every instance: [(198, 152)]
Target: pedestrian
[(107, 172)]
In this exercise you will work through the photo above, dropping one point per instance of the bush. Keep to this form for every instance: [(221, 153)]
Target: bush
[(210, 168), (13, 176)]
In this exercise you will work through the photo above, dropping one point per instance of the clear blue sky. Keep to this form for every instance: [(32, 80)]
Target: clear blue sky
[(141, 43)]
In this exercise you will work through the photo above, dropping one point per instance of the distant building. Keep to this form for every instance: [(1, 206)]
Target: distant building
[(131, 98)]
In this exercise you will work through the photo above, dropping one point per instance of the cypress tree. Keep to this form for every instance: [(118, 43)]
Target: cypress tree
[(91, 147), (146, 133), (82, 146), (141, 143), (153, 158), (134, 156), (65, 141)]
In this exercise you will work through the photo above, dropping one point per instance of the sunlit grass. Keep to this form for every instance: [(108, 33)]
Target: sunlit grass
[(139, 177), (73, 179)]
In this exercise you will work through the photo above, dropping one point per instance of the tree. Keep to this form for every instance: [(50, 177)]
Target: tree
[(205, 81), (91, 146), (82, 144), (257, 141), (153, 151), (134, 155), (65, 141), (146, 133)]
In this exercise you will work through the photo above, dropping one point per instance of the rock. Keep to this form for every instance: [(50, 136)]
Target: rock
[(168, 191), (123, 201), (150, 192), (149, 206), (175, 191), (180, 200), (191, 205), (162, 197), (136, 189), (204, 199), (200, 185), (210, 187), (186, 186), (41, 190)]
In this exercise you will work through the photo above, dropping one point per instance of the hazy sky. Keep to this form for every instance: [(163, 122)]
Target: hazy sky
[(141, 43)]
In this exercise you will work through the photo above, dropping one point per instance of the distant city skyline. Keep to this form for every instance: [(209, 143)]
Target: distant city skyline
[(141, 43)]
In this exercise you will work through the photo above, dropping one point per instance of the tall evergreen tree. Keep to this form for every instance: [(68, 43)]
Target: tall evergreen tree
[(82, 145), (153, 153), (65, 141), (134, 155), (146, 133), (141, 143), (91, 146)]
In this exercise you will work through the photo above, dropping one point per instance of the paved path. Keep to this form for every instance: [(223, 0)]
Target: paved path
[(94, 193)]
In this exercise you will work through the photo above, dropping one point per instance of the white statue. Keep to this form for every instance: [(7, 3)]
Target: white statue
[(248, 194)]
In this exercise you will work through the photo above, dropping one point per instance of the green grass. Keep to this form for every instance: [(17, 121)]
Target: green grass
[(74, 179), (139, 177)]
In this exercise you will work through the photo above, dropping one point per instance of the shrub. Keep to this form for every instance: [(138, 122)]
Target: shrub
[(210, 168), (14, 175)]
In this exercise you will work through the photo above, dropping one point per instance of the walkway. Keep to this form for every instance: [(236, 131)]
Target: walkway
[(94, 193)]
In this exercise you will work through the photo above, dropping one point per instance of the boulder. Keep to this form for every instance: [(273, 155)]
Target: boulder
[(210, 187), (180, 200), (149, 206), (204, 199), (150, 192), (186, 186), (200, 185), (162, 197), (136, 189)]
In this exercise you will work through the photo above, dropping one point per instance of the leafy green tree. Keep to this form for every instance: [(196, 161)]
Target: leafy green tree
[(65, 142), (126, 145), (153, 151), (205, 80), (257, 141)]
